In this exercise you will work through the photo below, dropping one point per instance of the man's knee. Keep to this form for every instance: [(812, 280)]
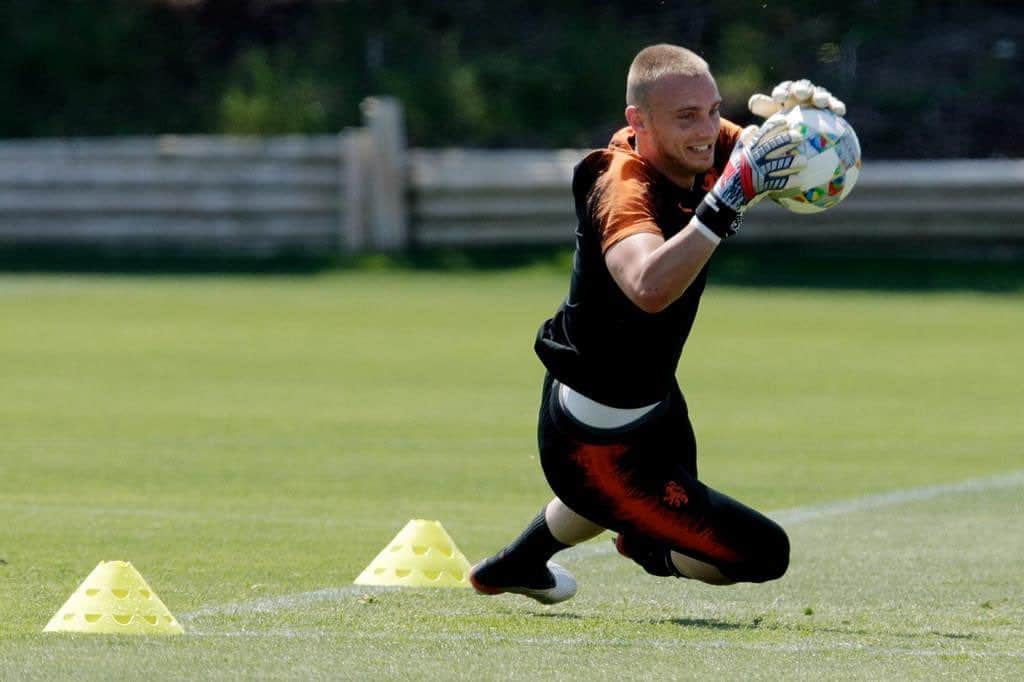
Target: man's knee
[(771, 558)]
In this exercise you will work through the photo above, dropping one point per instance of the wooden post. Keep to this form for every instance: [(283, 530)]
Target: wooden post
[(354, 153), (388, 217)]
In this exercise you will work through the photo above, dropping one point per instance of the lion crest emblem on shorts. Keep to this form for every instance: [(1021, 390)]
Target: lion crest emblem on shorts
[(675, 496)]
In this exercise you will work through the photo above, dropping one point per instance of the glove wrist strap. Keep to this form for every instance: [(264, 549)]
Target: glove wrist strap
[(716, 216), (706, 231)]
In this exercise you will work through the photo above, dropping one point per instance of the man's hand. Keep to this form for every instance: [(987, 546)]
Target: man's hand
[(764, 159), (789, 94)]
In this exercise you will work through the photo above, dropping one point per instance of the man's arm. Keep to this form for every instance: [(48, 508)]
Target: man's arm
[(653, 272)]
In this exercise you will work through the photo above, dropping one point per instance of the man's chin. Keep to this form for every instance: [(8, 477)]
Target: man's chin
[(702, 166), (695, 166)]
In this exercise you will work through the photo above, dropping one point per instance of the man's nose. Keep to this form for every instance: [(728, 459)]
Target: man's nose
[(710, 126)]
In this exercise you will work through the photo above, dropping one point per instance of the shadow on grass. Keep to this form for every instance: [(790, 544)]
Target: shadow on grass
[(562, 615), (757, 623), (706, 623), (810, 627), (806, 628), (879, 266)]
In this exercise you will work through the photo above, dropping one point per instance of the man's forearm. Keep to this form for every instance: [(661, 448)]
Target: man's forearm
[(671, 268)]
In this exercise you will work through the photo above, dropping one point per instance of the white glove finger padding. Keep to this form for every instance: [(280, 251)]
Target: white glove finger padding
[(766, 132), (787, 149), (787, 175), (747, 134), (777, 120), (782, 143), (802, 90), (774, 126), (781, 92), (789, 94), (821, 98), (799, 163), (757, 198), (762, 105)]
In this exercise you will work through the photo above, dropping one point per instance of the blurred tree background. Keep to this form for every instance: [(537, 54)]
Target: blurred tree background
[(922, 79)]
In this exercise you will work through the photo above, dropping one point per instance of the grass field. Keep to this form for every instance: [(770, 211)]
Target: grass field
[(250, 443)]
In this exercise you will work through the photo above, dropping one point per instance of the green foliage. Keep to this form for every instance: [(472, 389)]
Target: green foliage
[(522, 73), (79, 68), (267, 94)]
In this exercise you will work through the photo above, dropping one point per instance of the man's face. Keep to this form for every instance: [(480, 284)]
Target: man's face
[(682, 118)]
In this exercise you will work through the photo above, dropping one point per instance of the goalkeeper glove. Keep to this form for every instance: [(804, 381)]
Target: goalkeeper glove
[(789, 94), (764, 159)]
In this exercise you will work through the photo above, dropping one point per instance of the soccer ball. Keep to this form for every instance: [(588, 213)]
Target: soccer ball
[(833, 161)]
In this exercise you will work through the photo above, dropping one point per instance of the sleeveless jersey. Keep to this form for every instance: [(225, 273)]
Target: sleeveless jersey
[(598, 342)]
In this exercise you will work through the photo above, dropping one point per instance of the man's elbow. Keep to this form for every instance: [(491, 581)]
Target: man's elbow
[(651, 300)]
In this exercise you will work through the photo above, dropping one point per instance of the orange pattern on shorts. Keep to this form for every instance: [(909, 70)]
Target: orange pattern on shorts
[(644, 511)]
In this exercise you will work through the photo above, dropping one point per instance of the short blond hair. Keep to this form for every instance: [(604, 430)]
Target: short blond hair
[(655, 62)]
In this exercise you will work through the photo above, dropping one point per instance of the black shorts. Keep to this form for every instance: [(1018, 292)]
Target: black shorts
[(642, 479)]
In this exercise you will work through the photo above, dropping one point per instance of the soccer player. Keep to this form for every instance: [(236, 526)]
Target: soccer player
[(615, 439)]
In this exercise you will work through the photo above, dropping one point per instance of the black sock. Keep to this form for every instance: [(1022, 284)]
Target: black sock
[(535, 544), (524, 561)]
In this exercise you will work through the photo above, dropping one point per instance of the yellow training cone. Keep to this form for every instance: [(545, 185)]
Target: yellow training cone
[(114, 599), (421, 555)]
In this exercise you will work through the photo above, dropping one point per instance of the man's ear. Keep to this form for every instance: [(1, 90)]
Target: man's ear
[(635, 117)]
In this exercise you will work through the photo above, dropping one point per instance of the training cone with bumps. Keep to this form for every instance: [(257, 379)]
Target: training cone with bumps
[(421, 555), (114, 599)]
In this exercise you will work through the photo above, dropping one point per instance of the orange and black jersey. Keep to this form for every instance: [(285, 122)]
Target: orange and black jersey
[(598, 341)]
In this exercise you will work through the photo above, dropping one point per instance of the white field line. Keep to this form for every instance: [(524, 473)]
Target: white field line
[(897, 497), (791, 516), (785, 517), (651, 642), (893, 498), (284, 602)]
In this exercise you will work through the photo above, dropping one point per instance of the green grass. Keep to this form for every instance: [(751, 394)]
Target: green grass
[(241, 438)]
